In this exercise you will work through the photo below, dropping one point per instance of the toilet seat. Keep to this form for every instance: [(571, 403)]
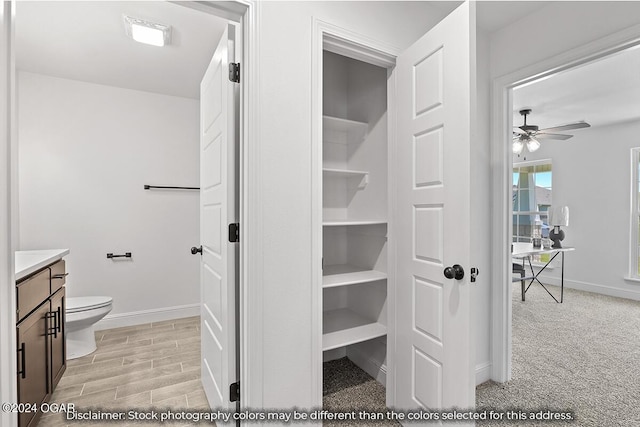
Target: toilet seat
[(79, 304)]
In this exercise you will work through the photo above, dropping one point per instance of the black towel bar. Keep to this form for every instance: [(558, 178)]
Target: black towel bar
[(149, 187)]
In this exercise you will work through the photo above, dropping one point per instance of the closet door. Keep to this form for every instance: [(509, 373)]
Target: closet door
[(218, 208), (435, 78)]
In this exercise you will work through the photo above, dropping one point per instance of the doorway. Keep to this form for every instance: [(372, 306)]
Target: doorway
[(229, 13), (503, 108), (433, 353)]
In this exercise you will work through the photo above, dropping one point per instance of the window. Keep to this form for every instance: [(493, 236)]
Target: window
[(634, 252), (531, 198)]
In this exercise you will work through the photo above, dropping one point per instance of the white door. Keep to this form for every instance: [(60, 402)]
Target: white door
[(435, 80), (218, 208)]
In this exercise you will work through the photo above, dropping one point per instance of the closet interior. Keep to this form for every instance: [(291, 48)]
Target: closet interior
[(354, 213)]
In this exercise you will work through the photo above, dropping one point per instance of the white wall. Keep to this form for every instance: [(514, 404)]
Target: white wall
[(592, 175), (86, 150), (285, 125)]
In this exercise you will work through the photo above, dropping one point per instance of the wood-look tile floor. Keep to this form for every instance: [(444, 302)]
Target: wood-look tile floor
[(156, 365)]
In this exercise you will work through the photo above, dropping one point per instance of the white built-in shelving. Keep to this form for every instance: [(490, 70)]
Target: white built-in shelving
[(354, 211), (344, 173), (352, 222), (361, 178), (344, 327), (346, 274), (343, 131)]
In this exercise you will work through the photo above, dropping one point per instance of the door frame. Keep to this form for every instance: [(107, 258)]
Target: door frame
[(327, 36), (8, 212), (244, 12), (502, 161)]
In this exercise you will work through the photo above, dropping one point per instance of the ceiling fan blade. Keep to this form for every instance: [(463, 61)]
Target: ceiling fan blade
[(518, 130), (570, 126), (552, 136)]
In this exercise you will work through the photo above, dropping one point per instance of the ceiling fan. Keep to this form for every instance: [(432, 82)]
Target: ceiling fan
[(529, 135)]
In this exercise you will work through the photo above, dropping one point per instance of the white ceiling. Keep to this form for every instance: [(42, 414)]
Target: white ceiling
[(85, 40), (494, 15), (601, 93)]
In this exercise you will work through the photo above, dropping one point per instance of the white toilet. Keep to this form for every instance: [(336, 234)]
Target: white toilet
[(81, 314)]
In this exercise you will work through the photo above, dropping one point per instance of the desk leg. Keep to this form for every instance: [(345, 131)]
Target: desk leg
[(522, 284), (535, 276), (562, 280)]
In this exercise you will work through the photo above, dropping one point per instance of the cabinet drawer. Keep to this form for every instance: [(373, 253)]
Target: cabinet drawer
[(31, 293), (58, 276)]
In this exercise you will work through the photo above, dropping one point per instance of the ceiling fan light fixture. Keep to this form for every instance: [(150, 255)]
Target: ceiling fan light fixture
[(532, 145), (518, 146)]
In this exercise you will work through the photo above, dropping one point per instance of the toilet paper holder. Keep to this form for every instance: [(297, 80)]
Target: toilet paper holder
[(126, 255)]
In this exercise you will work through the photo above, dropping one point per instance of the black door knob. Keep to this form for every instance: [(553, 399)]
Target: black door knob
[(455, 272), (195, 250)]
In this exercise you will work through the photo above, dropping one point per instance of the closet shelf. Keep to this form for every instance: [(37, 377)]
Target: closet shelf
[(343, 327), (346, 173), (343, 131), (362, 177), (341, 222), (345, 274)]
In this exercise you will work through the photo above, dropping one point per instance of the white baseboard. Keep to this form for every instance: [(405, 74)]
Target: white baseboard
[(483, 372), (368, 364), (593, 287), (334, 354), (147, 316)]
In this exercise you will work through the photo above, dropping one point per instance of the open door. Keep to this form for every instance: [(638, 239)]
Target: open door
[(435, 80), (218, 209)]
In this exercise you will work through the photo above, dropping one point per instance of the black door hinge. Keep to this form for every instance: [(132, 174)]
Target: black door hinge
[(234, 72), (234, 392), (234, 232)]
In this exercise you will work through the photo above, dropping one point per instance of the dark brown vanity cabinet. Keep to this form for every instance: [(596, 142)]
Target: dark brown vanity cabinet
[(58, 347), (33, 384), (40, 337)]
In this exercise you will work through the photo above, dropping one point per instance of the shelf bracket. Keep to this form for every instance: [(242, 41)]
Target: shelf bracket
[(362, 181)]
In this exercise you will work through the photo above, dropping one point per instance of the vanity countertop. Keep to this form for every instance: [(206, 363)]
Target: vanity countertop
[(27, 262)]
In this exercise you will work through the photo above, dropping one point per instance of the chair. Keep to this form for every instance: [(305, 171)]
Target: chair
[(519, 269)]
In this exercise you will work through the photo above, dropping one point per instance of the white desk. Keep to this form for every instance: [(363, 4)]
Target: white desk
[(525, 251)]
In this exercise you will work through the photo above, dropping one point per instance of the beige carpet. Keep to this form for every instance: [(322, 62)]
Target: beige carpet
[(347, 388), (581, 356)]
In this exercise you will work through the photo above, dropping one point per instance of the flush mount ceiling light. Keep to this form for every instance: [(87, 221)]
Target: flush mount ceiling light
[(147, 32)]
